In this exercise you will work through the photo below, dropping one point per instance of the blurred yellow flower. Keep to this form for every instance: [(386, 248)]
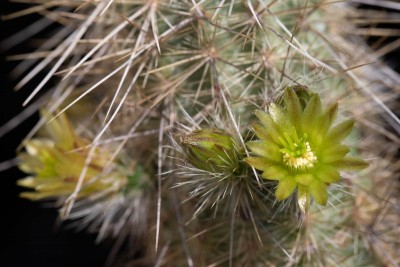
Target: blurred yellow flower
[(56, 162)]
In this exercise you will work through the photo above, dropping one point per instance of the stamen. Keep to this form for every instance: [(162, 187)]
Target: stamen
[(300, 158)]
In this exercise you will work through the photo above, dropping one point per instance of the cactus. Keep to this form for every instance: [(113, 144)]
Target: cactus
[(163, 143)]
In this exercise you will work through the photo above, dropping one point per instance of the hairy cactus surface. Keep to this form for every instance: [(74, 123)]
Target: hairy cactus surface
[(217, 133)]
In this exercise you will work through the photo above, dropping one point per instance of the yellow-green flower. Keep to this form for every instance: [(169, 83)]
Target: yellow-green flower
[(300, 148), (56, 162)]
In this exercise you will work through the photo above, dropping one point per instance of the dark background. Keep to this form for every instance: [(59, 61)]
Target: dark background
[(28, 232)]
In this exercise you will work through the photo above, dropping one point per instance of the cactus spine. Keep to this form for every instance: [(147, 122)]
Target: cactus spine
[(174, 86)]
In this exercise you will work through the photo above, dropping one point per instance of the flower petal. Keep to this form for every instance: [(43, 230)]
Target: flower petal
[(258, 163), (350, 163), (29, 182), (319, 192), (329, 116), (275, 172), (333, 153), (268, 150), (293, 106), (276, 113), (29, 163), (312, 111), (285, 188), (327, 174), (270, 126), (261, 132), (281, 119), (339, 132), (304, 178), (60, 130)]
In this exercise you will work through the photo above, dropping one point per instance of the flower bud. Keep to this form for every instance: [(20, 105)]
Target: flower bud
[(211, 150)]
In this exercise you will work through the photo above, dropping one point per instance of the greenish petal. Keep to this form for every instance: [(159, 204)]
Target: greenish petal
[(264, 149), (275, 172), (339, 132), (324, 122), (35, 196), (304, 178), (319, 191), (260, 132), (258, 163), (54, 186), (276, 113), (29, 182), (303, 198), (268, 177), (293, 106), (281, 119), (39, 148), (312, 111), (333, 153), (285, 188), (350, 163), (264, 118), (327, 174), (270, 126), (330, 115), (60, 130), (29, 163)]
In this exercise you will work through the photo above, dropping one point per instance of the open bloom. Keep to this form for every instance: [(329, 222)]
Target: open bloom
[(55, 163), (300, 148)]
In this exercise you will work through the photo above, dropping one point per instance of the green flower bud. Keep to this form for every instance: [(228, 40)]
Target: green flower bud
[(300, 148), (211, 150)]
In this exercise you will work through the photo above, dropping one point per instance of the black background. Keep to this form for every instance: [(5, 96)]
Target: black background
[(28, 232)]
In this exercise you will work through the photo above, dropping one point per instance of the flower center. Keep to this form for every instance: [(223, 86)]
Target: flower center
[(297, 153)]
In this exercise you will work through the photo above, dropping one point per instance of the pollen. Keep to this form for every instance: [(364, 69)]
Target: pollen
[(299, 161)]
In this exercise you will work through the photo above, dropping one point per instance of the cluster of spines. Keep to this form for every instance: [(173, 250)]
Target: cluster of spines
[(197, 64)]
